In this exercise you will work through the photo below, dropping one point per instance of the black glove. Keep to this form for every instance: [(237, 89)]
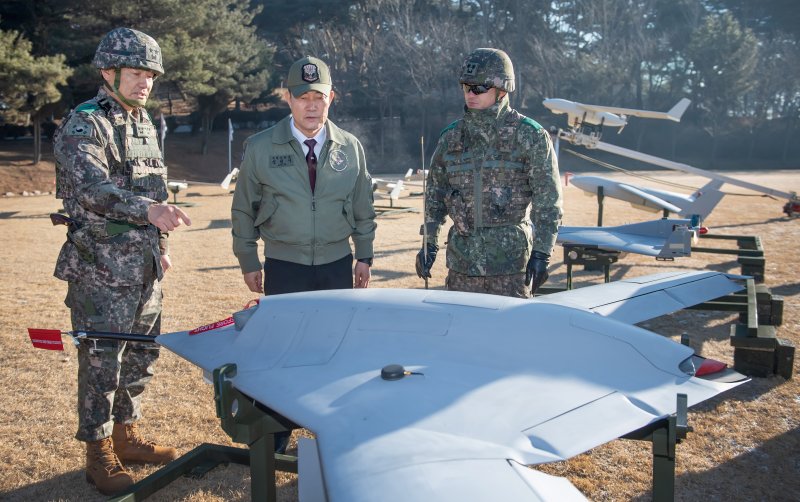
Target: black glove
[(424, 266), (536, 270)]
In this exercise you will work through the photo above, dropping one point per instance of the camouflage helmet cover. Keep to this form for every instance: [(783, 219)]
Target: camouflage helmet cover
[(127, 48), (491, 67)]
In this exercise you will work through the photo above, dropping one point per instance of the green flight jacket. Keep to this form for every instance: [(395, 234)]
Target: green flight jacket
[(273, 200)]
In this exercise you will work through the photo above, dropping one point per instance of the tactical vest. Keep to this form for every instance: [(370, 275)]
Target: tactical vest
[(140, 167), (489, 183), (100, 250), (143, 165)]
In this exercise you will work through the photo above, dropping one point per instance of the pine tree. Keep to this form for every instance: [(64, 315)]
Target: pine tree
[(28, 84)]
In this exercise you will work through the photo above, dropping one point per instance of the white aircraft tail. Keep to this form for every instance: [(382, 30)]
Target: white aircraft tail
[(677, 111), (679, 242), (704, 200), (397, 190), (230, 177)]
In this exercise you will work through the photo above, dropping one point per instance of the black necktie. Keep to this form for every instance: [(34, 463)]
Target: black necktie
[(311, 160)]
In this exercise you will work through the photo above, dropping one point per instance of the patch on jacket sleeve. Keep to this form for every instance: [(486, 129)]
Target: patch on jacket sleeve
[(80, 130)]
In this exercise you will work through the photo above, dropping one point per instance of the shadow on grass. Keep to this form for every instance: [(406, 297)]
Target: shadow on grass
[(227, 482), (214, 225), (8, 215), (774, 464)]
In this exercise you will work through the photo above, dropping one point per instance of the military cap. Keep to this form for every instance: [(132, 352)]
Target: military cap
[(309, 74)]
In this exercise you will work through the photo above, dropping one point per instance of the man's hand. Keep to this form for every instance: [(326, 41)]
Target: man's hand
[(166, 262), (361, 275), (536, 270), (253, 281), (424, 264), (167, 217)]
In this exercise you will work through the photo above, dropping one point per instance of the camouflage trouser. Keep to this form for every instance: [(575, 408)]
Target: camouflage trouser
[(504, 285), (111, 374)]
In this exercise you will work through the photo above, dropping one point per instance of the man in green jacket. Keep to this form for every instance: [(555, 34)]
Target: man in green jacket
[(304, 189)]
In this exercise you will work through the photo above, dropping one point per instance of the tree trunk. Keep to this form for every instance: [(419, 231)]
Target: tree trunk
[(37, 139), (673, 143), (207, 121), (787, 139), (640, 137), (382, 131), (713, 151)]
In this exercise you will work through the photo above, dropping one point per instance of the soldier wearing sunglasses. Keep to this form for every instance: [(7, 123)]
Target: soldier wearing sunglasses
[(495, 173)]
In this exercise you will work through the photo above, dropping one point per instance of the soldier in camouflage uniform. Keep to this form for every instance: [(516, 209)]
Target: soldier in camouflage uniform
[(495, 173), (112, 179)]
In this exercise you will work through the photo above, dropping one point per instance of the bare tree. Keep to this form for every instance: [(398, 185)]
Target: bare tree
[(724, 58)]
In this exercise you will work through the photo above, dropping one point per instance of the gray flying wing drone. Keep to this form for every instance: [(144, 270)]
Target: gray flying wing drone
[(700, 203), (490, 384), (664, 238)]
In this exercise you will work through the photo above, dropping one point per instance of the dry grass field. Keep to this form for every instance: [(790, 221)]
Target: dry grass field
[(745, 444)]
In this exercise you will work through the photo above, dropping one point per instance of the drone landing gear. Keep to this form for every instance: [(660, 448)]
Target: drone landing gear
[(665, 434), (591, 257), (245, 421)]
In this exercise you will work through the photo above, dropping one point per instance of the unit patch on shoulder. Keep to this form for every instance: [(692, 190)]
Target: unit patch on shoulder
[(80, 130)]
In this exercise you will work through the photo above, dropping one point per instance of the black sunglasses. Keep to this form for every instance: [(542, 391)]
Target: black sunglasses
[(476, 89)]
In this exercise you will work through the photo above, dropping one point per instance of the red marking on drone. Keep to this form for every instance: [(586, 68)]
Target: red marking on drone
[(212, 326)]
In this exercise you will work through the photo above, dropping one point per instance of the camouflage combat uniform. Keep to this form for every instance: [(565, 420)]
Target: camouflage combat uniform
[(495, 173), (109, 170)]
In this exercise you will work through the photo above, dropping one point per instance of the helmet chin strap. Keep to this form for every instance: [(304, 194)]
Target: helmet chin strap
[(133, 103)]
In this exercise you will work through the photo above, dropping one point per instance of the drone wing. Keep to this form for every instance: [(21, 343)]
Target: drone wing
[(623, 191), (673, 114), (642, 198), (642, 298)]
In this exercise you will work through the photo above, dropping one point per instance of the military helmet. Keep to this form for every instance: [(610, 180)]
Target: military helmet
[(490, 67), (127, 48)]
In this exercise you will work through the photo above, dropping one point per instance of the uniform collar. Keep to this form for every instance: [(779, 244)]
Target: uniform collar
[(283, 132), (491, 115), (483, 125), (112, 107), (320, 137)]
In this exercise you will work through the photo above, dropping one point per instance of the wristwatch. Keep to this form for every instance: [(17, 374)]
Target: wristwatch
[(368, 261)]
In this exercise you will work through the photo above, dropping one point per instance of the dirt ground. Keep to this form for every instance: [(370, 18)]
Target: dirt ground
[(745, 444)]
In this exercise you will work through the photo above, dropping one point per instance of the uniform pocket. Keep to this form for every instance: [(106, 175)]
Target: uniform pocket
[(334, 222), (265, 211), (347, 211), (499, 201), (120, 260), (459, 212), (83, 241)]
